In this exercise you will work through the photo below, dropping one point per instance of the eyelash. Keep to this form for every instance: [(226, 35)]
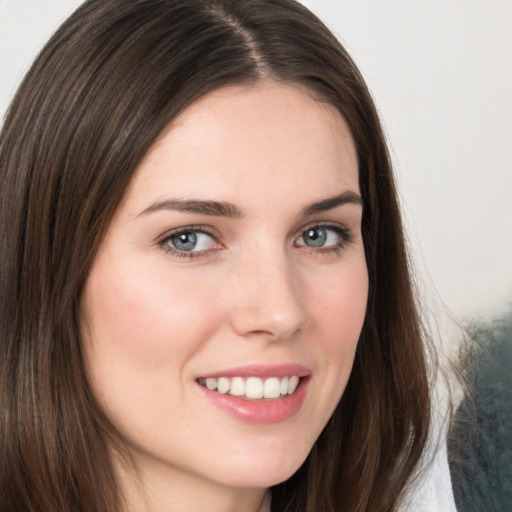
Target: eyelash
[(164, 242), (343, 233)]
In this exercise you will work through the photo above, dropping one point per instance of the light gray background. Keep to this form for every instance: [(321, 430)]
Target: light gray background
[(441, 73)]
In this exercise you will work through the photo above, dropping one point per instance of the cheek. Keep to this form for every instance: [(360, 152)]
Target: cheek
[(143, 313), (139, 332), (340, 309), (140, 329)]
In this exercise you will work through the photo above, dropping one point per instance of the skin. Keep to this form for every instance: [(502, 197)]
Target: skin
[(255, 292)]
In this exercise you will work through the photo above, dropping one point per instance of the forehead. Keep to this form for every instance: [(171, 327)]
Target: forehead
[(245, 141)]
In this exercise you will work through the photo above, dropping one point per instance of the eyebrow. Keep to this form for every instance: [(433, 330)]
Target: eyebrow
[(202, 207), (229, 210), (347, 197)]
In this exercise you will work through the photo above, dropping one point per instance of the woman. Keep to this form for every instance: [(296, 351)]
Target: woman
[(205, 295)]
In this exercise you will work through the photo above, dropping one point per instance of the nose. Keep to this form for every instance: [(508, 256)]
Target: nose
[(267, 299)]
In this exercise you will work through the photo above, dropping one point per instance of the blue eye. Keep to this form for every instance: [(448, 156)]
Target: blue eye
[(315, 237), (187, 241), (184, 241), (321, 236)]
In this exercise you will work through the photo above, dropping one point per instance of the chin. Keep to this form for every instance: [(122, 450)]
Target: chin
[(263, 472)]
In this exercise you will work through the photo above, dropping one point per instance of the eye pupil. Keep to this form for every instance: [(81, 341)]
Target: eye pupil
[(184, 241), (315, 237)]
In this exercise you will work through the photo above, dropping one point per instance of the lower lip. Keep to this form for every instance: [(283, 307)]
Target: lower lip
[(260, 411)]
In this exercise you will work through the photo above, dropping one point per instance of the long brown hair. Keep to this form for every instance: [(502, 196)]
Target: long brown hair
[(104, 87)]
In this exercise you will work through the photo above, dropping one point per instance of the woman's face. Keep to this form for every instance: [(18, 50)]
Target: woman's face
[(233, 268)]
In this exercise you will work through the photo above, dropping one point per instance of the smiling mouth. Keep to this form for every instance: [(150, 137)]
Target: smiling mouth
[(253, 388)]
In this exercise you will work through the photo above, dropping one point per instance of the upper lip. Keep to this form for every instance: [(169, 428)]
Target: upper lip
[(261, 370)]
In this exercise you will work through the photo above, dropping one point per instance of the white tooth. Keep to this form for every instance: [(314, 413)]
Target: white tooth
[(237, 386), (223, 385), (211, 384), (272, 388), (254, 387), (292, 384), (284, 386)]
